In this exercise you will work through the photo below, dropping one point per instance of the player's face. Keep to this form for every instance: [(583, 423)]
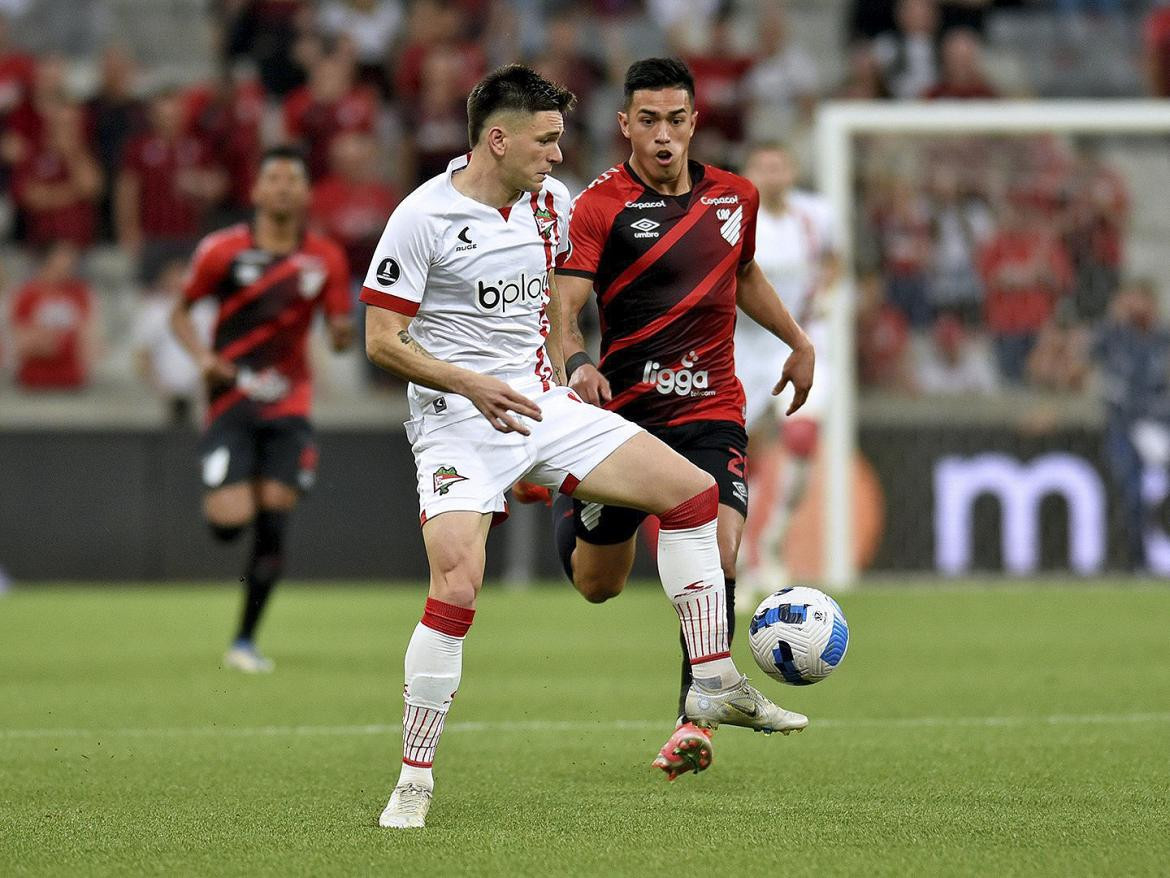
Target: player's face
[(282, 188), (532, 148), (772, 171), (659, 125)]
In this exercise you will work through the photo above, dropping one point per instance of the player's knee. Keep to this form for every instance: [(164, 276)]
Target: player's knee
[(456, 580), (800, 437), (597, 589), (226, 533)]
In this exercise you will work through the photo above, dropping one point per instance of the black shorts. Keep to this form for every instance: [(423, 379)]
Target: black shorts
[(716, 447), (239, 447)]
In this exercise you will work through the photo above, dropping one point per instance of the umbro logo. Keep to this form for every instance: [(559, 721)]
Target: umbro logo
[(466, 239), (732, 226), (645, 228)]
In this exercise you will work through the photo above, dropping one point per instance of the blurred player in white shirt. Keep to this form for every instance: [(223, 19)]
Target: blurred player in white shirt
[(465, 307), (796, 249)]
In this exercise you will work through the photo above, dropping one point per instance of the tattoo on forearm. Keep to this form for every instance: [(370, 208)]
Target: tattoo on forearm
[(407, 339), (575, 333)]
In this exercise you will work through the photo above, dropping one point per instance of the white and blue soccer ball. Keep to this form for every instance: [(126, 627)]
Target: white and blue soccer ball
[(798, 635)]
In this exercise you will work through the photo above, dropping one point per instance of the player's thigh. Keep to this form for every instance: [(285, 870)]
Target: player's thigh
[(644, 473), (227, 458), (230, 506), (455, 543), (720, 449), (286, 461)]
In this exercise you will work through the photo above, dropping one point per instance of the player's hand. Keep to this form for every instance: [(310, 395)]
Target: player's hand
[(497, 401), (798, 371), (590, 384), (217, 371)]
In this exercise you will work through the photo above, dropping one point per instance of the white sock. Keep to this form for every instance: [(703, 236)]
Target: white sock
[(692, 577), (434, 665)]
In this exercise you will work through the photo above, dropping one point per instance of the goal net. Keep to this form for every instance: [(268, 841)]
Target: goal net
[(999, 358)]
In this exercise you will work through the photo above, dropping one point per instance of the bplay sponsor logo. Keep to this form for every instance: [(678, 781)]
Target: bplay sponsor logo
[(515, 294)]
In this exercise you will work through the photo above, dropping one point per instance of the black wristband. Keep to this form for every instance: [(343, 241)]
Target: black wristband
[(575, 362)]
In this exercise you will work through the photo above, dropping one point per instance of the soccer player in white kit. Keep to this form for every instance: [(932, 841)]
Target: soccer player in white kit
[(465, 307), (796, 249)]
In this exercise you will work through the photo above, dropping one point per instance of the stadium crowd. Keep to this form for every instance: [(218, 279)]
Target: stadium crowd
[(983, 263)]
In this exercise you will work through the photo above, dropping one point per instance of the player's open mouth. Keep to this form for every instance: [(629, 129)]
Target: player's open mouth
[(664, 156)]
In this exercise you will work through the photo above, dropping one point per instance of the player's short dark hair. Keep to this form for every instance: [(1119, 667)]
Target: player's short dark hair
[(285, 152), (513, 87), (655, 74)]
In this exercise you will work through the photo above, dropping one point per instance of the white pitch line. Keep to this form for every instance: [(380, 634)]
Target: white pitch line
[(577, 725)]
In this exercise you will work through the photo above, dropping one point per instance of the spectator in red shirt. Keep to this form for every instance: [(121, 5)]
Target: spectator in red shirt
[(16, 72), (961, 76), (54, 325), (436, 25), (58, 185), (440, 123), (225, 113), (167, 183), (116, 114), (330, 104), (352, 204), (883, 339), (1025, 270), (1156, 51), (24, 126), (721, 90), (1096, 219)]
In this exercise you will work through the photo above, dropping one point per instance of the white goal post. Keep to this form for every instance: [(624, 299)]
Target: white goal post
[(837, 124)]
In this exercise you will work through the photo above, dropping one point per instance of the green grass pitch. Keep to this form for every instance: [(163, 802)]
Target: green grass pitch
[(982, 731)]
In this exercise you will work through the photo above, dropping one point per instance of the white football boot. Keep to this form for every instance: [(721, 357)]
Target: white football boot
[(407, 808), (242, 656), (740, 705)]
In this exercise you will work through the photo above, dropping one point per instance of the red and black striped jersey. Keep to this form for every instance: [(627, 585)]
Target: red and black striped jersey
[(266, 304), (664, 270)]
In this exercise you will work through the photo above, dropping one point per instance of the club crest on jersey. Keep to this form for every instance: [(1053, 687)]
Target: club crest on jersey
[(732, 226), (312, 277), (445, 477), (545, 222)]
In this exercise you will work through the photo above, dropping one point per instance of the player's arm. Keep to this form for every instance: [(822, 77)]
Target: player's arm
[(336, 301), (204, 274), (757, 298), (390, 346), (582, 374), (553, 343)]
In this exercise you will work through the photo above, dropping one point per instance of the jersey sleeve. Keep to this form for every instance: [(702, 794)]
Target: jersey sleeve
[(336, 300), (206, 271), (586, 239), (398, 272), (751, 210)]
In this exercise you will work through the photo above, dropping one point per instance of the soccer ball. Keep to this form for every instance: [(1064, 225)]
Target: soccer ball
[(798, 635)]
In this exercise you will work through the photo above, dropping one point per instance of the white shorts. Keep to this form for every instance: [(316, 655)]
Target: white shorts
[(759, 360), (466, 465)]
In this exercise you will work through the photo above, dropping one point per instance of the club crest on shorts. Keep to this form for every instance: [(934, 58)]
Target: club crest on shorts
[(545, 223), (445, 477)]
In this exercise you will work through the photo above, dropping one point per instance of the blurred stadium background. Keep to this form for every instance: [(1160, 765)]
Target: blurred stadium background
[(1009, 355)]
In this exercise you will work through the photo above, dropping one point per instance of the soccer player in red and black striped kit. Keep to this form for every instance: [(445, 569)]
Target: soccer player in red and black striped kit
[(268, 277), (667, 244)]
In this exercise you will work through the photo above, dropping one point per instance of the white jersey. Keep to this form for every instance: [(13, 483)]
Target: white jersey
[(475, 279), (790, 249)]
